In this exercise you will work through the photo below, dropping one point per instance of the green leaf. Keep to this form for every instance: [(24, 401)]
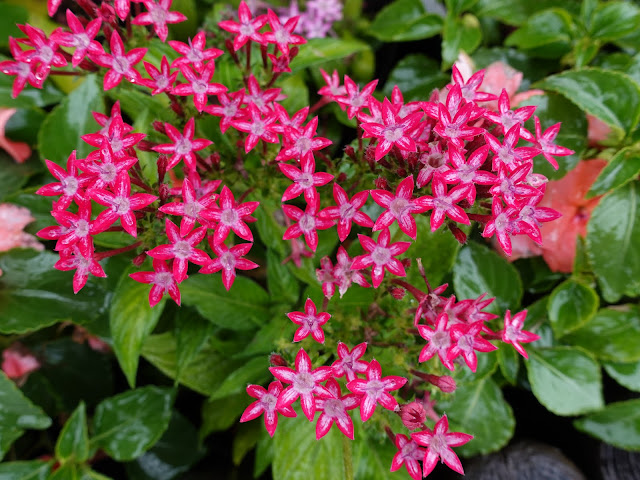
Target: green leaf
[(416, 76), (283, 287), (613, 233), (479, 270), (613, 97), (456, 7), (480, 409), (459, 35), (73, 441), (405, 20), (176, 451), (487, 364), (245, 439), (512, 12), (192, 332), (621, 169), (614, 20), (131, 320), (221, 414), (32, 470), (566, 380), (613, 334), (509, 362), (61, 131), (571, 305), (617, 424), (254, 371), (34, 295), (127, 425), (17, 414), (10, 15), (546, 34), (68, 471), (241, 308), (321, 50), (296, 90), (626, 374), (12, 176), (533, 69)]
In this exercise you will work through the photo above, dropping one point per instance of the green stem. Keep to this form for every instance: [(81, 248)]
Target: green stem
[(348, 458)]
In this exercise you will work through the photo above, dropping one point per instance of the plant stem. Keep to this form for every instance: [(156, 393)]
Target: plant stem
[(347, 457)]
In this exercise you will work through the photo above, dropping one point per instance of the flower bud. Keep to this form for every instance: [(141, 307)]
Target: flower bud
[(413, 415), (445, 383), (459, 235), (164, 191), (162, 163), (381, 183), (158, 126), (401, 172), (398, 293), (277, 360), (139, 259), (350, 152)]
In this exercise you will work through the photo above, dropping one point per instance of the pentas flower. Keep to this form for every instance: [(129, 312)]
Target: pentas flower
[(161, 80), (507, 118), (191, 206), (347, 211), (80, 38), (305, 383), (502, 224), (513, 333), (409, 454), (381, 256), (400, 207), (333, 89), (280, 64), (433, 161), (345, 273), (121, 204), (375, 390), (545, 140), (531, 216), (444, 204), (305, 179), (261, 99), (282, 35), (438, 341), (21, 69), (119, 62), (231, 216), (309, 222), (259, 126), (182, 249), (302, 143), (199, 86), (183, 146), (469, 89), (465, 340), (455, 129), (356, 99), (194, 52), (506, 153), (122, 8), (468, 173), (439, 443), (299, 250), (246, 28), (229, 260), (105, 120), (293, 123), (267, 403), (73, 229), (158, 15), (512, 186), (44, 55), (105, 171), (229, 109), (310, 322), (162, 282), (71, 183), (349, 362), (117, 136), (84, 263), (394, 130), (334, 410)]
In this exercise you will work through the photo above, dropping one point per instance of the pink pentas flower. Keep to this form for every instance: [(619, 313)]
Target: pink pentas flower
[(80, 37), (199, 86), (259, 126), (502, 224), (229, 260), (122, 8), (356, 99), (310, 322), (120, 63), (400, 207), (44, 55), (301, 143), (375, 390), (261, 99), (438, 341), (247, 28), (465, 340), (190, 208), (162, 282), (105, 169), (334, 410), (160, 80), (194, 53), (84, 263), (308, 223), (21, 69), (468, 173), (512, 186), (305, 179), (545, 142), (299, 250), (345, 273), (409, 454), (506, 153), (18, 362), (381, 256), (231, 216), (507, 118), (439, 443), (469, 89), (348, 363), (115, 133), (433, 160), (347, 211), (267, 404), (72, 229), (513, 333), (443, 203), (532, 215), (305, 383), (105, 120), (333, 89), (71, 182), (229, 109), (182, 250), (183, 146), (158, 15), (454, 128), (282, 35)]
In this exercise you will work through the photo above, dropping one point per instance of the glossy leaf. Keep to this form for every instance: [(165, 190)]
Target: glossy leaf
[(610, 96), (571, 305), (621, 169), (34, 295), (17, 414), (73, 440), (613, 20), (459, 35), (511, 12), (626, 374), (10, 15), (132, 320), (616, 221), (223, 413), (478, 270), (565, 380), (283, 287), (254, 371), (127, 425), (241, 308), (191, 332), (479, 409), (31, 470), (613, 334), (12, 175), (416, 76), (546, 34), (405, 20), (61, 131), (487, 364), (509, 362), (320, 50), (617, 424)]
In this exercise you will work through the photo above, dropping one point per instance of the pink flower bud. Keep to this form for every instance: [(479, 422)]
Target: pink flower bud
[(413, 415), (398, 293), (381, 183), (139, 259), (163, 162), (459, 235), (277, 360), (158, 126), (164, 191), (445, 383), (402, 172), (350, 152)]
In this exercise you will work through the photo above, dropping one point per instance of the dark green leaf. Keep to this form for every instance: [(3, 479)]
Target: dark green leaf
[(626, 374), (245, 440), (241, 308), (533, 69), (613, 233), (546, 34), (34, 295), (254, 371), (127, 425), (24, 124), (405, 20), (416, 76), (9, 16), (613, 334), (571, 305), (131, 320), (296, 90), (456, 7), (61, 131), (566, 380), (459, 35), (487, 364), (509, 362), (617, 424), (12, 176), (479, 270), (192, 332), (614, 20), (283, 287), (73, 440), (612, 97), (33, 470), (512, 12), (320, 50), (479, 409), (219, 415), (67, 471), (269, 229), (622, 168)]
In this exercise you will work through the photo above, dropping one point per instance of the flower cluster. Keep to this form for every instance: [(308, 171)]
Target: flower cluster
[(13, 220), (317, 20)]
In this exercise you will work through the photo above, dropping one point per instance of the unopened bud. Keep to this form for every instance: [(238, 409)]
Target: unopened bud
[(139, 259), (158, 126), (293, 52), (277, 360), (145, 145), (342, 177), (413, 415), (214, 159), (164, 191), (381, 183), (459, 235), (163, 163), (401, 172), (350, 152), (445, 383), (406, 262), (398, 293)]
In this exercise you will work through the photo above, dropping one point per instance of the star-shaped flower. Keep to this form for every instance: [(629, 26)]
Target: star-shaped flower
[(310, 322), (183, 146), (162, 282), (380, 255), (158, 15), (267, 403), (334, 410)]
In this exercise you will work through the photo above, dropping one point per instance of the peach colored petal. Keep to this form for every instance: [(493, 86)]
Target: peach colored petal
[(597, 131), (19, 151), (518, 98), (497, 76)]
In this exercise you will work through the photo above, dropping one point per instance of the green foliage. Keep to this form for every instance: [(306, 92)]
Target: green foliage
[(617, 424), (571, 305), (73, 441), (405, 20)]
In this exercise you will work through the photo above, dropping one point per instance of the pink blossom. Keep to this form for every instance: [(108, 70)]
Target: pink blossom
[(334, 408), (231, 216), (13, 219), (348, 362), (409, 453), (119, 62), (183, 146), (162, 282), (381, 256), (158, 15), (310, 322), (18, 362), (347, 211), (229, 260), (513, 333), (267, 403)]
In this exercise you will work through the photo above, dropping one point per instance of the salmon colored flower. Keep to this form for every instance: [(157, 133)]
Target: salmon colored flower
[(19, 151), (18, 362)]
